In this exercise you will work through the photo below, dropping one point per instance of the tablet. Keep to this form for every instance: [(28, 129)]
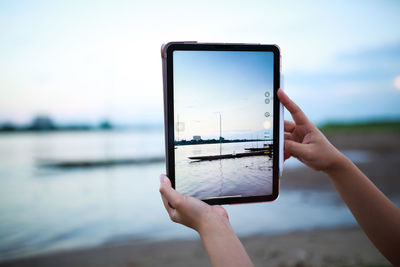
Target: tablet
[(223, 121)]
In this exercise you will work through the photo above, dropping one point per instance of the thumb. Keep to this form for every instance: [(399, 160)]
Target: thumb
[(296, 149)]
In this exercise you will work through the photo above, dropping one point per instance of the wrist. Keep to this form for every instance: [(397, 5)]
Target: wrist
[(338, 165), (214, 225)]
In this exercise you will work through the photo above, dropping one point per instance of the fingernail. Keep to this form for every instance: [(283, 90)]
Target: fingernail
[(162, 178)]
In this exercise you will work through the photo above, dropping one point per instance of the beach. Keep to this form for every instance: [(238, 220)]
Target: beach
[(327, 246)]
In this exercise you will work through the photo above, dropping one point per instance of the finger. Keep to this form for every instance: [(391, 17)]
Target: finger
[(296, 149), (286, 155), (173, 213), (164, 179), (289, 126), (288, 136), (172, 196), (297, 114), (167, 205)]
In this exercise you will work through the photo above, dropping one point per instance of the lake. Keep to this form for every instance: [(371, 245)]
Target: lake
[(49, 209)]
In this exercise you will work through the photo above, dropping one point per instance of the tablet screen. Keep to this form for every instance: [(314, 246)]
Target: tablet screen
[(223, 123)]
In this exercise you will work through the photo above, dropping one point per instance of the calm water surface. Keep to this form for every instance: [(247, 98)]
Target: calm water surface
[(43, 210), (247, 176)]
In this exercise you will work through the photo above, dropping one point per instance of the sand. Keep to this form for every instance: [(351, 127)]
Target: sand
[(329, 247), (320, 247)]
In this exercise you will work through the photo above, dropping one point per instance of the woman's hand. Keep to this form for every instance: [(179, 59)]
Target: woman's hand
[(190, 211), (305, 142), (211, 222)]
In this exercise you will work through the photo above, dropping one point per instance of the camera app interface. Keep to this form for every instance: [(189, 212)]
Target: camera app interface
[(223, 123)]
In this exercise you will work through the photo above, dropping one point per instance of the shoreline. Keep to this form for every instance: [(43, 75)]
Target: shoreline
[(347, 246)]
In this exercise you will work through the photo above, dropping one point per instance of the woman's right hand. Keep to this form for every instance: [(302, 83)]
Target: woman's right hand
[(191, 211), (211, 222), (305, 142)]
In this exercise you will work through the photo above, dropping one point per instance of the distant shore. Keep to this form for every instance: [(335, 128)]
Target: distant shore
[(47, 125), (80, 129), (361, 126), (216, 141)]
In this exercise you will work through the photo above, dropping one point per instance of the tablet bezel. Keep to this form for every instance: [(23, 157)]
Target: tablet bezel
[(167, 62)]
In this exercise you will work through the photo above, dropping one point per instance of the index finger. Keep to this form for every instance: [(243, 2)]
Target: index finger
[(297, 114)]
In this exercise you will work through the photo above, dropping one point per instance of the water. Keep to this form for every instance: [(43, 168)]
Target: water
[(47, 209), (247, 176)]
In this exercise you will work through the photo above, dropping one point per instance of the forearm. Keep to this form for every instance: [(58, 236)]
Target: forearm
[(223, 246), (376, 214)]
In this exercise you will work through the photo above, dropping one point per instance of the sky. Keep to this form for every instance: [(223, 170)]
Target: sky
[(84, 61), (231, 85)]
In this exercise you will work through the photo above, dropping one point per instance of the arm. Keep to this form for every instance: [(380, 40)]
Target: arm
[(211, 222), (376, 214)]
